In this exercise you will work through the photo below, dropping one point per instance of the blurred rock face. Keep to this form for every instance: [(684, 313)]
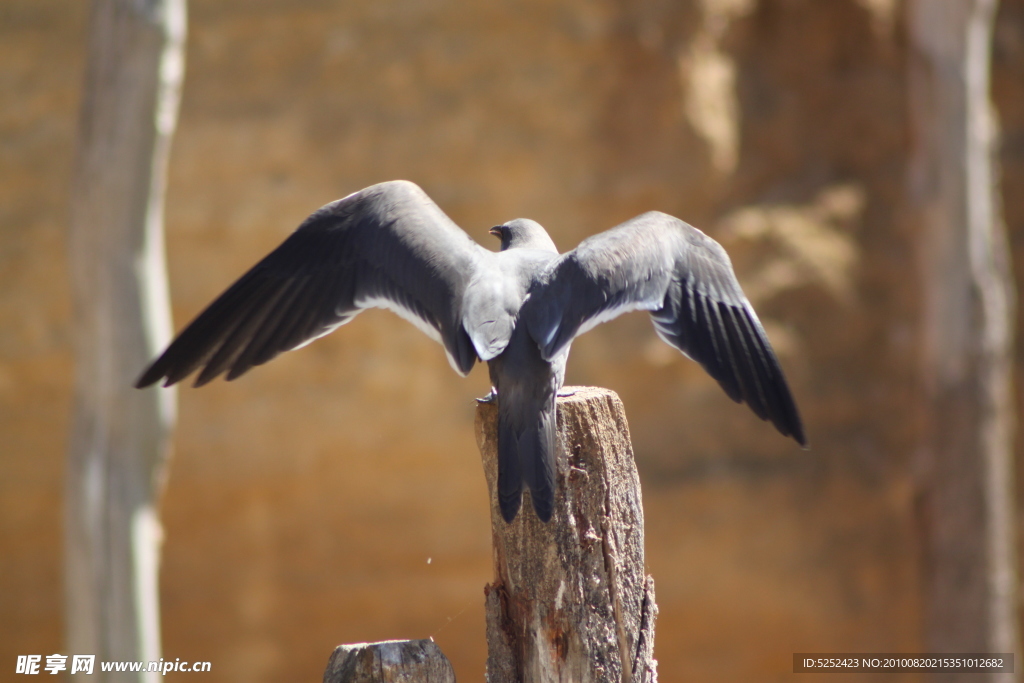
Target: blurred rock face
[(335, 495)]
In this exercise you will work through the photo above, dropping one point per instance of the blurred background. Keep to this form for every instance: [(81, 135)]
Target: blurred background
[(336, 494)]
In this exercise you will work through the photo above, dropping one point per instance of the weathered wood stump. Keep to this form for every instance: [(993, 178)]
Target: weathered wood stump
[(570, 599), (391, 661)]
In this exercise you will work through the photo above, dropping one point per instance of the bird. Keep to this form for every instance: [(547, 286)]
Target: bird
[(518, 309)]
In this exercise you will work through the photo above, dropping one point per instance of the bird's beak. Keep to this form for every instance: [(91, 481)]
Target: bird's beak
[(496, 231)]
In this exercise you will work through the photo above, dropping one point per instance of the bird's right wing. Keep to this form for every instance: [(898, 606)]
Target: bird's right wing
[(684, 279), (387, 246)]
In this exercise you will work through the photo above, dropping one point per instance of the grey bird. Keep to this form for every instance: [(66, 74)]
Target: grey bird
[(519, 309)]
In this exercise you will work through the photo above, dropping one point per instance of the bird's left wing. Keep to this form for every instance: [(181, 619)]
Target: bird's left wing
[(387, 246), (684, 279)]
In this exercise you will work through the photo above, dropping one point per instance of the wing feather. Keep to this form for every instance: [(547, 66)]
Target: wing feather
[(267, 338), (386, 246), (684, 279), (248, 321)]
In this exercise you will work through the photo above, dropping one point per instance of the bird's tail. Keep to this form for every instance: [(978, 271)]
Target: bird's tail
[(526, 454)]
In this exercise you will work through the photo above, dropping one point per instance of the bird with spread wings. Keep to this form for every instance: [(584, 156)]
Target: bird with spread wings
[(519, 309)]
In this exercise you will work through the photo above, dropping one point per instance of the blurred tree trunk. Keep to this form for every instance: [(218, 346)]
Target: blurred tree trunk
[(967, 509), (120, 439)]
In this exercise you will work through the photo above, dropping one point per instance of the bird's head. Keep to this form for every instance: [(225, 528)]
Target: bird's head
[(522, 233)]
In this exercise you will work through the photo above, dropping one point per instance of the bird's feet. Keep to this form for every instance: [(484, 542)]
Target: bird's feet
[(489, 398), (565, 393)]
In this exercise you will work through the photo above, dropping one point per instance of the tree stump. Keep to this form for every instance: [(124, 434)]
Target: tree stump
[(391, 661), (570, 600)]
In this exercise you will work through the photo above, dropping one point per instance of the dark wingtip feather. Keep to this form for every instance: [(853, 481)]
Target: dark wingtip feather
[(729, 342), (782, 406), (149, 376), (795, 431), (262, 344), (713, 347)]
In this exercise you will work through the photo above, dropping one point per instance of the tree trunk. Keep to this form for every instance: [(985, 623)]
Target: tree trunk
[(570, 599), (967, 508), (119, 444), (392, 661)]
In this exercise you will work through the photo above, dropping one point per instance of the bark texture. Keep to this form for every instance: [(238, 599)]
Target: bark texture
[(120, 438), (967, 508), (391, 661), (570, 599)]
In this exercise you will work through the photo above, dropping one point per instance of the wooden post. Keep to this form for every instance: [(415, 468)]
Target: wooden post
[(570, 599), (120, 439), (967, 502), (391, 661)]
